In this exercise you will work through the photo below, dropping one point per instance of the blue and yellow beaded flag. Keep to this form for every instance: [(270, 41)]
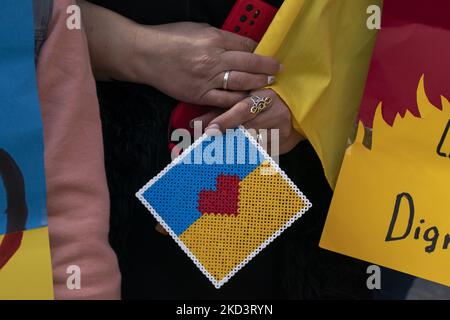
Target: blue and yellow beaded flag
[(223, 201)]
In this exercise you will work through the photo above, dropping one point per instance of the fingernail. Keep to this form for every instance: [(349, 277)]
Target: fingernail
[(281, 68), (213, 130), (271, 80), (161, 229)]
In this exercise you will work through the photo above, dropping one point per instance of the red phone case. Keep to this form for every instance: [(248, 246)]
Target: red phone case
[(249, 18)]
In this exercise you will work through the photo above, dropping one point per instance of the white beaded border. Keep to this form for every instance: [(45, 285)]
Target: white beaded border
[(217, 284)]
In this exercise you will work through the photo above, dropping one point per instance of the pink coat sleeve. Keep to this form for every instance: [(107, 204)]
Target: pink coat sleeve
[(77, 194)]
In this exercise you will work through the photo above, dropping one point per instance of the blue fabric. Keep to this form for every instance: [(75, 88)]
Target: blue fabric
[(21, 134), (175, 195)]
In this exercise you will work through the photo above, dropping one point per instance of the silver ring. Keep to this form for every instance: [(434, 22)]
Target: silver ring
[(226, 77)]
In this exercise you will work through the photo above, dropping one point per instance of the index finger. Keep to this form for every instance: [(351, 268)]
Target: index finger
[(234, 117), (250, 63)]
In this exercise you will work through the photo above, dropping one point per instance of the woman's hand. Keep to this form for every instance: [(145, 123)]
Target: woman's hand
[(277, 116), (191, 59), (187, 61)]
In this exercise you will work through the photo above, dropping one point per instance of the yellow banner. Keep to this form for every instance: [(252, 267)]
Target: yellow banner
[(391, 205)]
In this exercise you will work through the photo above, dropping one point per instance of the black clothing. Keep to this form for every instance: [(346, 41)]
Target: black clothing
[(213, 12)]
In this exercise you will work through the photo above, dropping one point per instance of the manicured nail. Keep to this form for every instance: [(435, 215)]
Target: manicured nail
[(213, 130), (271, 80), (161, 229)]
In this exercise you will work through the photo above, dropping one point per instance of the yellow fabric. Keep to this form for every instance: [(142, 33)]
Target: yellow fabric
[(28, 275), (266, 203), (325, 48)]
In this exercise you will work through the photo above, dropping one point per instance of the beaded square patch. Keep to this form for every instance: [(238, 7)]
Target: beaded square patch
[(223, 200)]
